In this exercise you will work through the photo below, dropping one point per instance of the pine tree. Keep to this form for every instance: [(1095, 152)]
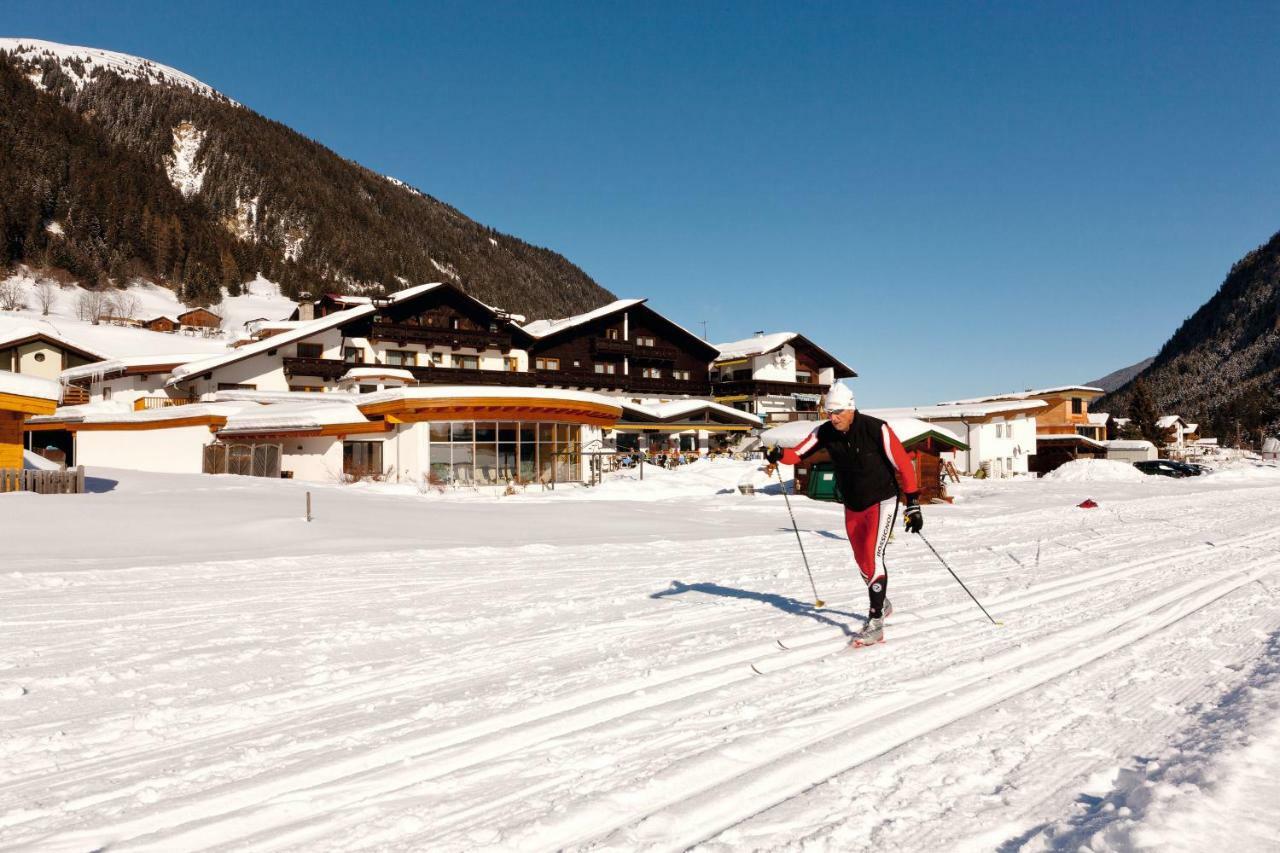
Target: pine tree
[(1144, 416)]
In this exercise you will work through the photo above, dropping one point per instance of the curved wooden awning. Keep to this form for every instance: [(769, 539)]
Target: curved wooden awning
[(509, 408)]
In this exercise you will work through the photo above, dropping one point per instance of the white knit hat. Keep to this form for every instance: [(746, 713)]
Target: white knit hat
[(838, 397)]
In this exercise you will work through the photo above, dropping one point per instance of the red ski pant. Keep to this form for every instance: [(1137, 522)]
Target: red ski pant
[(869, 531)]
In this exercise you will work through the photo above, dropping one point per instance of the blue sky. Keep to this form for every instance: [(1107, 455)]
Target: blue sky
[(956, 199)]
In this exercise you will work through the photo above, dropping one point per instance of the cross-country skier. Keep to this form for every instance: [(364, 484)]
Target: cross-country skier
[(870, 465)]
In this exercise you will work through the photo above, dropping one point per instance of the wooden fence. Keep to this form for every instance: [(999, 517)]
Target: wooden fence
[(68, 482)]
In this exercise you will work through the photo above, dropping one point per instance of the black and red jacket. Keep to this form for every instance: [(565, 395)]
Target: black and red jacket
[(869, 460)]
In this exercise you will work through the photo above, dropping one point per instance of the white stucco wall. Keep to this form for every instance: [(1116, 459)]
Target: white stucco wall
[(316, 460), (177, 450), (777, 366)]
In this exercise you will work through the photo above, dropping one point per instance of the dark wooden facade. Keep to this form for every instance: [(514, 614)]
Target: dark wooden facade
[(625, 348), (200, 318), (443, 316), (161, 324)]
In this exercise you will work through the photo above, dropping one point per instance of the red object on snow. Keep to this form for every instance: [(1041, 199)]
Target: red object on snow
[(1089, 503)]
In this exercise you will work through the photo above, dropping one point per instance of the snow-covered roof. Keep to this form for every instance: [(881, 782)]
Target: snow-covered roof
[(355, 374), (302, 416), (1098, 418), (543, 328), (305, 330), (906, 429), (29, 386), (98, 370), (242, 396), (1191, 428), (1169, 420), (755, 345), (1025, 395), (15, 335), (120, 412), (437, 392), (1069, 437), (682, 408), (957, 411), (1128, 444)]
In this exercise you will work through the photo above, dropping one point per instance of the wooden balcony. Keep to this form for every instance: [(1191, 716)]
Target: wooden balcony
[(660, 352), (789, 417), (143, 403), (431, 336), (609, 346), (621, 382), (321, 368), (765, 388)]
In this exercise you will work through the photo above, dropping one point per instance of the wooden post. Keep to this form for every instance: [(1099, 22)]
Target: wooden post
[(308, 507)]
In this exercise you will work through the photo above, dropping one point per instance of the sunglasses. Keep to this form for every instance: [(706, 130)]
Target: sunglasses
[(831, 412)]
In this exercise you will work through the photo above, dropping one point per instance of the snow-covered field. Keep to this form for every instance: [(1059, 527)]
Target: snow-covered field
[(186, 663)]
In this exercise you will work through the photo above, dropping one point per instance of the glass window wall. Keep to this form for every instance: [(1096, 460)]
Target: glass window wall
[(488, 453)]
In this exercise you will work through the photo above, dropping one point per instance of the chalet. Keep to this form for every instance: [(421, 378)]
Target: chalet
[(200, 319), (927, 444), (999, 435), (1063, 428), (42, 353), (780, 377), (1177, 431), (624, 348), (435, 332), (161, 324), (21, 397)]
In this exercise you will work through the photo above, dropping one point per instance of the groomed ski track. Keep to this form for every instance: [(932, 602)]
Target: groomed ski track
[(635, 715)]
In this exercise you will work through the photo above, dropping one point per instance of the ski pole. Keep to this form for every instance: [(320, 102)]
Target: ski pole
[(957, 577), (817, 602)]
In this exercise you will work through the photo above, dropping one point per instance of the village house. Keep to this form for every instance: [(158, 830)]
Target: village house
[(1063, 429), (999, 436), (199, 320), (623, 348), (161, 324), (22, 396), (779, 377)]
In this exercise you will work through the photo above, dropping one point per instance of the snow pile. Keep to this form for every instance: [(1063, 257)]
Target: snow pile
[(29, 386), (35, 462), (1094, 470)]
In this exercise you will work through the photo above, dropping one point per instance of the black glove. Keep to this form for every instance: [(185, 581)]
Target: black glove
[(912, 516), (773, 454)]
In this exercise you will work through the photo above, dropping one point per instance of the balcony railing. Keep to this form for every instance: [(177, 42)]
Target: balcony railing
[(609, 346), (788, 417), (333, 369), (429, 336), (659, 352), (143, 403), (765, 388)]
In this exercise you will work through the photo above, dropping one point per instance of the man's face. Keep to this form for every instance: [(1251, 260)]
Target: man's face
[(841, 419)]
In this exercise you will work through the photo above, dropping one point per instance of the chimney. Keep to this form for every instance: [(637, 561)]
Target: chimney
[(306, 308)]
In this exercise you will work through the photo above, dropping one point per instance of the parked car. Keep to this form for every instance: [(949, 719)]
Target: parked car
[(1168, 468)]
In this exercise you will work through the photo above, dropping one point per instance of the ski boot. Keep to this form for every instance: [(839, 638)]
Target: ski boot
[(872, 632)]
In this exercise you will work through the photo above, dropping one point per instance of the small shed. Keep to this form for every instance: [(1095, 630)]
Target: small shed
[(1271, 448), (200, 318), (161, 324), (1131, 450), (924, 442)]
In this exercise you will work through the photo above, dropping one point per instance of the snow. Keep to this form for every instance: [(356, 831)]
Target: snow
[(94, 59), (1023, 395), (757, 345), (293, 417), (677, 408), (29, 386), (1097, 470), (180, 164), (543, 328), (355, 374), (958, 411), (636, 666)]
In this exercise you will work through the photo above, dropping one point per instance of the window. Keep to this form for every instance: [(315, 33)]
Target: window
[(368, 389), (606, 367), (106, 392), (680, 374), (547, 363), (804, 376), (305, 388), (1008, 464), (510, 364), (402, 357), (39, 356), (362, 459), (1077, 406), (353, 355), (612, 334), (999, 430), (436, 358), (651, 372), (469, 362), (644, 341), (232, 386)]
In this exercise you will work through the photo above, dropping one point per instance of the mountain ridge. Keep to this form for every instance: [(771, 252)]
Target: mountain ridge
[(246, 195)]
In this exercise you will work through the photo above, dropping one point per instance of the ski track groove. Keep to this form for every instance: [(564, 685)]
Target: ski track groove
[(518, 736)]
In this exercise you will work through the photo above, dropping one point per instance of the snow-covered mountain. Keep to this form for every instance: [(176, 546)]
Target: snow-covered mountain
[(82, 64), (178, 184)]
